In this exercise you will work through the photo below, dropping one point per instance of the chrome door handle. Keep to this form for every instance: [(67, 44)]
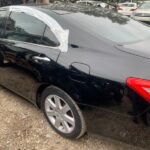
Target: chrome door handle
[(40, 59)]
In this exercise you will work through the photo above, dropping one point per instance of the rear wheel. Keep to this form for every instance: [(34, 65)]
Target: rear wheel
[(147, 118), (62, 113)]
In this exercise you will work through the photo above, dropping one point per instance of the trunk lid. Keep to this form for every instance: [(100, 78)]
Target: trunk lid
[(141, 48)]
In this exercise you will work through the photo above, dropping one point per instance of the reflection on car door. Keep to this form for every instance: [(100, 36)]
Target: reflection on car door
[(28, 57)]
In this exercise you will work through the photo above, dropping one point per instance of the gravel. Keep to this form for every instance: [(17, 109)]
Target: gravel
[(23, 127)]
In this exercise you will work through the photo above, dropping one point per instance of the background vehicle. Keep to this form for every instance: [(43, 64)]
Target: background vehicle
[(96, 4), (126, 8), (100, 4), (66, 59), (143, 12), (85, 2), (6, 2)]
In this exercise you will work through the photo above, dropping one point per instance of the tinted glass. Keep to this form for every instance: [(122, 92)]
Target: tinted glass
[(128, 5), (2, 20), (22, 27), (49, 38)]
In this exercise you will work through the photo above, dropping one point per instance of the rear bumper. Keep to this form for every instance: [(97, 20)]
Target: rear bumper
[(116, 126)]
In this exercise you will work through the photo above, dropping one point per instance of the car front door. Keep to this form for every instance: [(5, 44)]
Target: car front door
[(30, 52)]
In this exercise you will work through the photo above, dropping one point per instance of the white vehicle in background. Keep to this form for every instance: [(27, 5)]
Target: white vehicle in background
[(95, 3), (126, 8), (85, 2), (143, 12), (100, 4)]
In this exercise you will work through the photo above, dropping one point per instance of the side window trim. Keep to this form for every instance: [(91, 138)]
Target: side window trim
[(32, 44), (43, 33), (46, 27)]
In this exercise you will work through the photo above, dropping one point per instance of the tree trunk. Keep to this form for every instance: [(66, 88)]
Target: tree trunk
[(45, 1)]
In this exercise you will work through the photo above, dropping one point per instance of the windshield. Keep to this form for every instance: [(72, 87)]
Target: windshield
[(145, 5), (128, 5)]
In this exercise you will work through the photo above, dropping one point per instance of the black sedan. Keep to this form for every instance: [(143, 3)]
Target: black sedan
[(63, 59)]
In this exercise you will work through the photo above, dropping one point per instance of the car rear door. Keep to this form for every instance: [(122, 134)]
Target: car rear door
[(30, 51)]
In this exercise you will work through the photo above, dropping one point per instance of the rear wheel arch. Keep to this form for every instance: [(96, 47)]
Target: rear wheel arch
[(39, 94), (74, 95)]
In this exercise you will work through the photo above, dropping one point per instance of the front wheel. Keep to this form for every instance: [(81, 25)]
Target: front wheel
[(62, 113)]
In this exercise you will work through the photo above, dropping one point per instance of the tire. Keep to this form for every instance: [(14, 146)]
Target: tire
[(57, 107), (147, 118)]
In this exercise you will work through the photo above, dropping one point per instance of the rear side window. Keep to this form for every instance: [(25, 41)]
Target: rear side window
[(49, 39), (22, 27), (2, 21)]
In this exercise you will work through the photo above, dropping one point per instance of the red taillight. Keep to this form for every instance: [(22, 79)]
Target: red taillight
[(119, 8), (140, 86), (133, 9)]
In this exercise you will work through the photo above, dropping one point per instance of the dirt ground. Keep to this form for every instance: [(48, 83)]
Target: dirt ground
[(23, 127)]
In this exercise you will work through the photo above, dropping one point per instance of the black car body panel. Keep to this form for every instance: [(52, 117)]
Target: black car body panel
[(140, 48), (23, 66), (93, 71)]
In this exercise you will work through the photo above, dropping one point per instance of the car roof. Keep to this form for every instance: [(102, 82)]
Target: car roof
[(62, 8), (60, 11)]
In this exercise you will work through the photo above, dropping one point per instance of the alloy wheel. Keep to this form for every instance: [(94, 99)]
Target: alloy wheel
[(59, 114)]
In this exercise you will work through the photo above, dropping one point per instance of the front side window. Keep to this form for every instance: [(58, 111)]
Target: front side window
[(2, 20), (49, 39), (22, 27)]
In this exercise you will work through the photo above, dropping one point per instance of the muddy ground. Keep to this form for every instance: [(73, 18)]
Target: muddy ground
[(23, 127)]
